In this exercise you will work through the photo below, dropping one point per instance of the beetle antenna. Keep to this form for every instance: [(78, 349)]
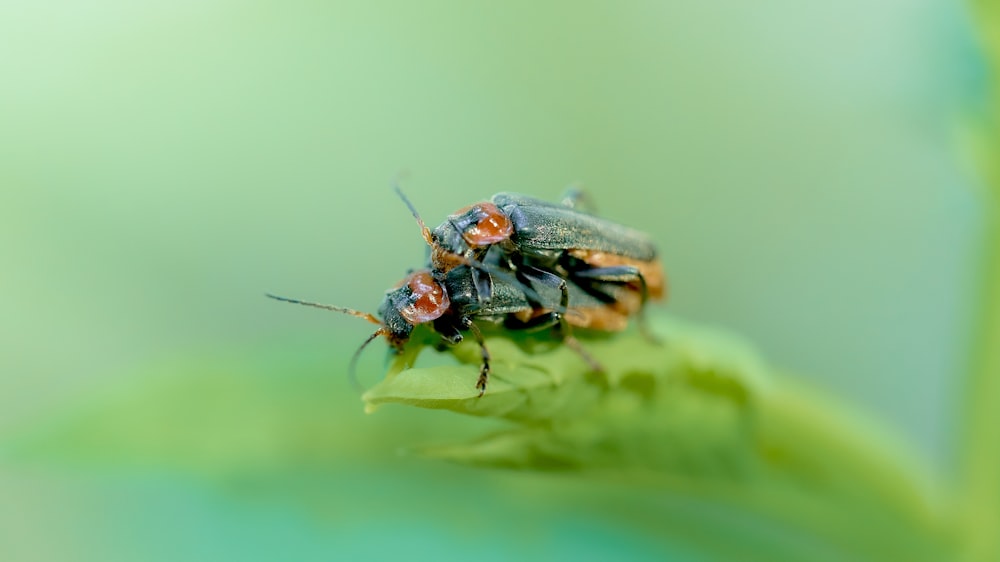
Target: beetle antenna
[(363, 315), (424, 231), (352, 373)]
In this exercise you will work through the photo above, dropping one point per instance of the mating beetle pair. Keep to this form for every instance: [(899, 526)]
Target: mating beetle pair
[(525, 263), (552, 237)]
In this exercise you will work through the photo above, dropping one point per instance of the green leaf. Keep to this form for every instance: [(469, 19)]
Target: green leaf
[(694, 441), (700, 415)]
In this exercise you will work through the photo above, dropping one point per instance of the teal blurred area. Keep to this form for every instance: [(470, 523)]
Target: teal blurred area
[(163, 165)]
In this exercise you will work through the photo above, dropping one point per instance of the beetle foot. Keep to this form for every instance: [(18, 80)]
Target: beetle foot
[(484, 376)]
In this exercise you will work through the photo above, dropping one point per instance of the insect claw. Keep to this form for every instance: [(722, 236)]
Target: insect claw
[(481, 383)]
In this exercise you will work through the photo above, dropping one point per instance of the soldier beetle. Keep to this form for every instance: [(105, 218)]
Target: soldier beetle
[(452, 303)]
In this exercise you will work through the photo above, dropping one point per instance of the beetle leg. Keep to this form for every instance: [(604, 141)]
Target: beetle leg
[(564, 332), (624, 274), (558, 321), (576, 197), (448, 331), (549, 279), (616, 274), (483, 282), (574, 344), (484, 371)]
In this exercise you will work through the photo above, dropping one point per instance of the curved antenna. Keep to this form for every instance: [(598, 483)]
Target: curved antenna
[(424, 231), (363, 315), (352, 373)]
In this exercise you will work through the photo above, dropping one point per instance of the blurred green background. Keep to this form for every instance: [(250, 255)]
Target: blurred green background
[(165, 164)]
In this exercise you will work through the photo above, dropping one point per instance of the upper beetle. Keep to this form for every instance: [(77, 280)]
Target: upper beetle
[(533, 234)]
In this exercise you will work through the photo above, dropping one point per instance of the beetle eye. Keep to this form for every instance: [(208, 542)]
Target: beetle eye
[(428, 300)]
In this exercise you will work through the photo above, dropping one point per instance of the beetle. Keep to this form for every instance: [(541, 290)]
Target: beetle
[(451, 303), (559, 238), (522, 262)]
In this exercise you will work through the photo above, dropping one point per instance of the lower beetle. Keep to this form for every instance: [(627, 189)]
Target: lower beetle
[(453, 304)]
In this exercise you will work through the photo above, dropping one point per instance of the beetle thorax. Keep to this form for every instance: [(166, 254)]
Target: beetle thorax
[(489, 226), (428, 300)]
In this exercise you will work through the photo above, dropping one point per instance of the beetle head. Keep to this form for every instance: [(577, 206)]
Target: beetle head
[(472, 228), (418, 299)]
